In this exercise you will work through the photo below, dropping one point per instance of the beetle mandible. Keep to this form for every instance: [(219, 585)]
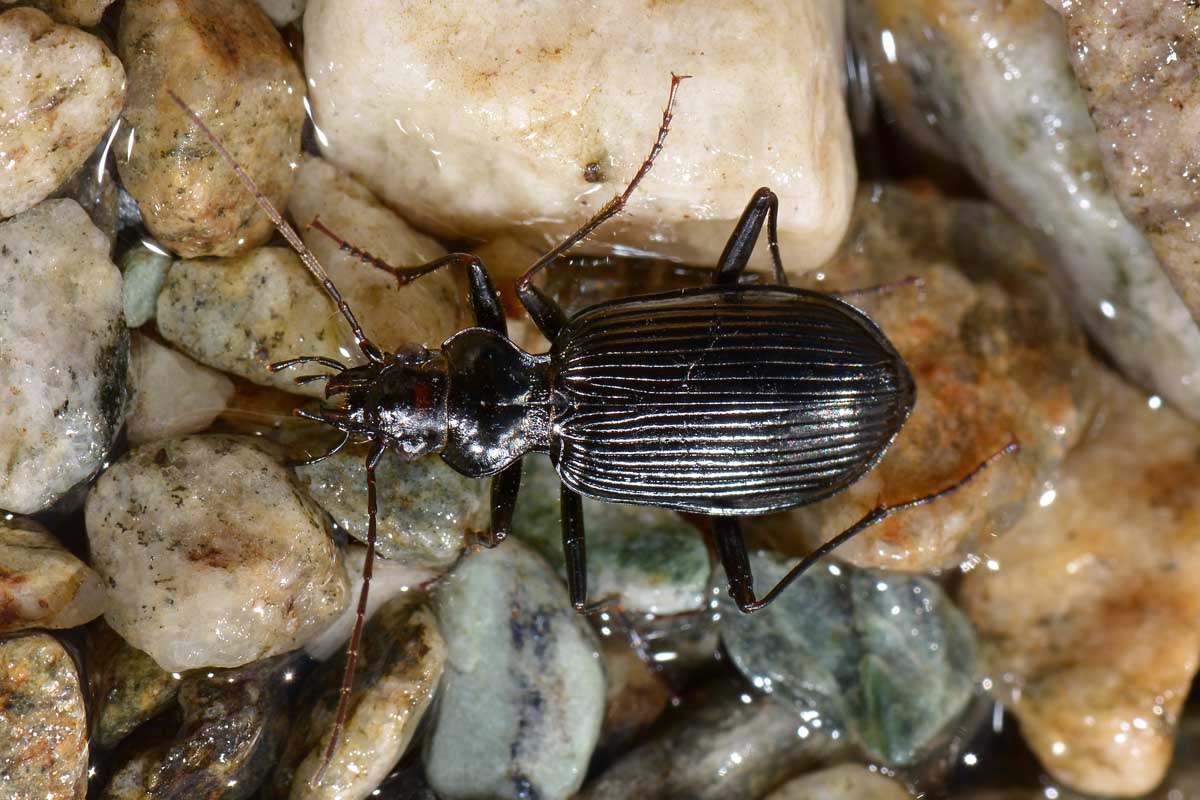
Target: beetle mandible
[(724, 400)]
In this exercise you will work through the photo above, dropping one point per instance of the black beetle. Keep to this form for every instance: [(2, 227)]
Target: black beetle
[(725, 400)]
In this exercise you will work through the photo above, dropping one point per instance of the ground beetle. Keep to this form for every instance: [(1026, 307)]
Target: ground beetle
[(724, 400)]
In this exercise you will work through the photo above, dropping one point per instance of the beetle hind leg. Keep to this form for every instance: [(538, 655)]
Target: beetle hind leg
[(763, 207), (573, 548)]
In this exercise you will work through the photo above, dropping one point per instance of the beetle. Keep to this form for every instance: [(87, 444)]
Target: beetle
[(725, 400)]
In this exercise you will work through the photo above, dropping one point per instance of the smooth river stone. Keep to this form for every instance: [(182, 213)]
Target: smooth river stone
[(60, 89), (212, 554), (42, 585), (426, 311), (84, 13), (243, 313), (172, 395), (234, 726), (845, 782), (43, 721), (127, 687), (426, 509), (729, 742), (1088, 611), (523, 689), (399, 664), (226, 61), (651, 559), (485, 120), (1138, 63), (64, 354), (995, 355), (883, 657), (142, 272), (989, 83)]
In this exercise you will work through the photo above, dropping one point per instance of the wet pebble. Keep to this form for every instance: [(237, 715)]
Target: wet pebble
[(425, 311), (84, 13), (845, 782), (127, 687), (212, 554), (42, 585), (234, 726), (426, 509), (226, 61), (650, 559), (637, 693), (243, 313), (990, 84), (143, 271), (883, 657), (1088, 611), (728, 742), (995, 356), (43, 722), (509, 130), (60, 89), (399, 665), (523, 690), (282, 12), (64, 354), (172, 395)]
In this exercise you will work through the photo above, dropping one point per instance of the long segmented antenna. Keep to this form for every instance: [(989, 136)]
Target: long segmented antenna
[(368, 348)]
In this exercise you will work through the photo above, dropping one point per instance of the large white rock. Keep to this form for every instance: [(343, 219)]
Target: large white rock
[(477, 119), (212, 555), (60, 89), (64, 354)]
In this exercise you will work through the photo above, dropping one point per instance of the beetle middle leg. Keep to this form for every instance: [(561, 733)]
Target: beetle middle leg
[(731, 547), (573, 547)]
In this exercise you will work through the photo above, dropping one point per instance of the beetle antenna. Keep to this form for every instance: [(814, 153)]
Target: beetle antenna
[(613, 206), (368, 348), (339, 721)]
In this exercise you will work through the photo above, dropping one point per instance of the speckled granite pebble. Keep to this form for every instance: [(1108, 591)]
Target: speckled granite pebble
[(523, 690), (399, 665), (43, 723), (64, 354), (42, 585), (127, 687), (211, 553), (60, 89), (224, 59), (84, 13)]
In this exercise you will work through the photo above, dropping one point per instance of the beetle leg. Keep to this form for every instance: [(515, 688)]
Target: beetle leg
[(339, 721), (504, 501), (741, 587), (763, 207), (573, 547), (485, 302), (533, 299), (880, 288)]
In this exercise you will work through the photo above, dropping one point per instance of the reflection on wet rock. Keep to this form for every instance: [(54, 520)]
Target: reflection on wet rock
[(60, 89), (729, 742), (650, 559), (42, 585), (127, 687), (64, 354), (234, 726), (995, 356), (523, 691), (426, 509), (1089, 609), (226, 61), (989, 83), (43, 723), (882, 657), (211, 553), (244, 313), (536, 115), (399, 665), (171, 394)]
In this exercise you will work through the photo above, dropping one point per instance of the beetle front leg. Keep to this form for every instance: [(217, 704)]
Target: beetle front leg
[(505, 487), (573, 547), (763, 207), (731, 548)]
